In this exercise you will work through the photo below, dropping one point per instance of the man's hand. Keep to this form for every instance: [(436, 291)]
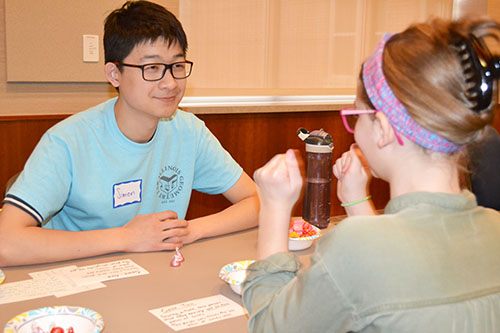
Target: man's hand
[(155, 232)]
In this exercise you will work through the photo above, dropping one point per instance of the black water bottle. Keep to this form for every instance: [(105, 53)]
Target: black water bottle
[(318, 180)]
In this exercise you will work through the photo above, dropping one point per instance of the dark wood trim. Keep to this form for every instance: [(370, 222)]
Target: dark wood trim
[(33, 117)]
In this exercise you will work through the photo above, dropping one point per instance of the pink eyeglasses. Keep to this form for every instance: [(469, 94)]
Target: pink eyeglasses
[(350, 122)]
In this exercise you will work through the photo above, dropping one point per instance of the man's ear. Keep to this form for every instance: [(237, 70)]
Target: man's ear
[(112, 74), (387, 135)]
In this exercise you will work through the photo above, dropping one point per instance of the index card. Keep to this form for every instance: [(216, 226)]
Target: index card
[(70, 286), (106, 271), (198, 312)]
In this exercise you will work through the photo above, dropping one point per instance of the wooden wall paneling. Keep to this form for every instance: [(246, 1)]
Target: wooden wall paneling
[(252, 139), (18, 138)]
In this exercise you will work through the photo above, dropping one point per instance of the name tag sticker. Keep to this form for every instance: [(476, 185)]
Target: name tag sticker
[(127, 193)]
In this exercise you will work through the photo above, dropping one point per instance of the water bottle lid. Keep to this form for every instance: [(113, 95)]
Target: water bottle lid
[(317, 141)]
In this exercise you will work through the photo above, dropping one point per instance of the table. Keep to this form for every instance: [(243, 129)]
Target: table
[(125, 303)]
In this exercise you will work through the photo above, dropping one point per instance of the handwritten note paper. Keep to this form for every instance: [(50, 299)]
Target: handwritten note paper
[(198, 312), (67, 285), (68, 280), (24, 290), (106, 271)]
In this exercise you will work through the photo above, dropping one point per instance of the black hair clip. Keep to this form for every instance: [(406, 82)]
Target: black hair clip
[(481, 70)]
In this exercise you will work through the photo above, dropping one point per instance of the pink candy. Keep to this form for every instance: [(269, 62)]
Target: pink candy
[(177, 258)]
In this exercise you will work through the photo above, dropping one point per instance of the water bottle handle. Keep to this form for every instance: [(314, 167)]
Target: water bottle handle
[(302, 133)]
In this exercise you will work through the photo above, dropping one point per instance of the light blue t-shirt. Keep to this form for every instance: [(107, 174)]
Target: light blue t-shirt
[(87, 175)]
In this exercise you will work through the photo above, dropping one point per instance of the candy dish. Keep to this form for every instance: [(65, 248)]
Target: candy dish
[(235, 273), (82, 320), (301, 235), (2, 276)]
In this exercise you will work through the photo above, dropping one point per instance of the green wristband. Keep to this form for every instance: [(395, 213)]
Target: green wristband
[(356, 202)]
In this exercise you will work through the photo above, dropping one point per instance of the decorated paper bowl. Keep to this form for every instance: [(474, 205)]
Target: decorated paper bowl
[(301, 234), (235, 273), (43, 320), (2, 276)]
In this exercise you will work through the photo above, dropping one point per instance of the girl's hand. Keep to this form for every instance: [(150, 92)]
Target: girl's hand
[(279, 181), (353, 175), (278, 184)]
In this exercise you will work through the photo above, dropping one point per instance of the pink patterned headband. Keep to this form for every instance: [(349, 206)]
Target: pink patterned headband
[(384, 100)]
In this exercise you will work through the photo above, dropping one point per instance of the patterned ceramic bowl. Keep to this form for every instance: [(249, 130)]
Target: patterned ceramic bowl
[(82, 320), (235, 273)]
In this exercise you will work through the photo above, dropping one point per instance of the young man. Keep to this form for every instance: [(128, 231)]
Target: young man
[(118, 177)]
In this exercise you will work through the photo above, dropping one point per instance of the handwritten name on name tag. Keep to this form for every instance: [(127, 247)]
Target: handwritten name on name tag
[(127, 193)]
